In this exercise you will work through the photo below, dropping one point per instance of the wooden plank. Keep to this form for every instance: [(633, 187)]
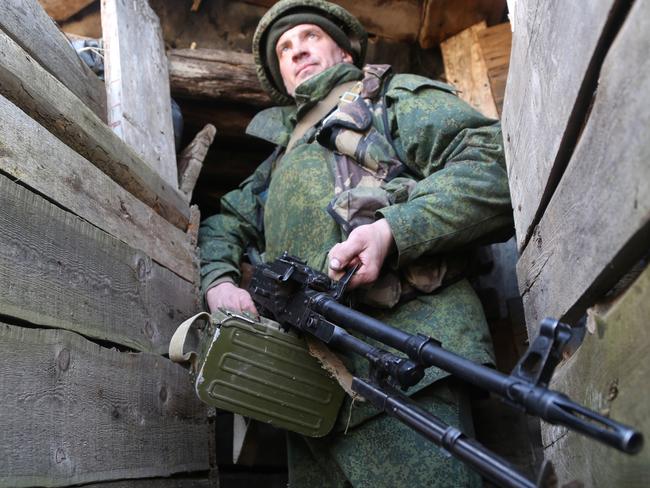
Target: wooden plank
[(27, 24), (597, 225), (442, 19), (608, 373), (47, 100), (190, 160), (61, 10), (37, 158), (157, 483), (60, 271), (398, 20), (465, 69), (215, 74), (496, 43), (542, 89), (137, 83), (75, 412)]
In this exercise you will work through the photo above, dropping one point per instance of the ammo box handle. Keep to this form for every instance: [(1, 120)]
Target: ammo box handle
[(178, 340)]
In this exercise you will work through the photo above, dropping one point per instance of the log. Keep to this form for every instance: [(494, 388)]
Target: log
[(75, 412), (137, 83), (59, 271), (465, 69), (215, 74), (61, 10), (48, 101), (35, 157), (544, 101), (29, 26), (597, 225), (608, 373)]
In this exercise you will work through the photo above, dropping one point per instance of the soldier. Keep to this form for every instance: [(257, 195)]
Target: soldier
[(389, 171)]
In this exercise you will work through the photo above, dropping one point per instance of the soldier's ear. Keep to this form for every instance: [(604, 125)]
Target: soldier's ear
[(347, 57)]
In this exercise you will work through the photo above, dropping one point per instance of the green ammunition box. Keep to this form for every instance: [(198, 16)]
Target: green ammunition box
[(256, 369)]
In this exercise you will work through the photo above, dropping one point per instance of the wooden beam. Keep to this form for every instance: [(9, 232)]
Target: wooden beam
[(157, 483), (190, 161), (465, 69), (35, 157), (496, 43), (48, 101), (609, 374), (543, 88), (61, 10), (77, 412), (214, 74), (29, 26), (442, 19), (137, 83), (59, 271), (398, 20), (597, 225)]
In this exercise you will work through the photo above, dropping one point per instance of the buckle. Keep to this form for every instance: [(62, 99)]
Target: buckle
[(349, 97)]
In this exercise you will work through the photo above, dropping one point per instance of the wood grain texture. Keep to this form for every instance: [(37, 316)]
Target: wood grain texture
[(60, 271), (442, 19), (496, 43), (225, 76), (465, 69), (553, 44), (31, 28), (61, 10), (76, 412), (48, 101), (137, 83), (32, 155), (608, 373), (190, 160), (597, 225), (159, 483)]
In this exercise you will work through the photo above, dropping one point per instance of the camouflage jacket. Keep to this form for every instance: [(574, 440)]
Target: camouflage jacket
[(452, 154)]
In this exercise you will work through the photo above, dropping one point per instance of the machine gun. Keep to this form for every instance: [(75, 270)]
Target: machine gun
[(300, 297)]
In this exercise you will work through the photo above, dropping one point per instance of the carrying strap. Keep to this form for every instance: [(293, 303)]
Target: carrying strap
[(178, 340), (321, 109)]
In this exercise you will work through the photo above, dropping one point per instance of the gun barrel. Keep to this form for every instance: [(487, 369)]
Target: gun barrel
[(550, 405)]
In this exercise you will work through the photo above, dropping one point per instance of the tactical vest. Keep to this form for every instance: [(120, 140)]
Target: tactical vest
[(367, 177)]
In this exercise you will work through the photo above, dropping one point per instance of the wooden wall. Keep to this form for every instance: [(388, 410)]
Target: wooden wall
[(97, 268), (575, 122)]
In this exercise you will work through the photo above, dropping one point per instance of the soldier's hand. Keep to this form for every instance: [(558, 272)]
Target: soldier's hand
[(229, 296), (367, 245)]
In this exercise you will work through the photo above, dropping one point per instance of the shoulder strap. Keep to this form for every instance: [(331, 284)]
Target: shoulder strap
[(320, 110), (374, 76)]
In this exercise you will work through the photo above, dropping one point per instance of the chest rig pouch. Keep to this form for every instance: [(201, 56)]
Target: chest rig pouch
[(366, 172), (256, 369)]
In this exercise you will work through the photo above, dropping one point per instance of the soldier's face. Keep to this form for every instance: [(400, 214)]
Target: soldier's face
[(304, 51)]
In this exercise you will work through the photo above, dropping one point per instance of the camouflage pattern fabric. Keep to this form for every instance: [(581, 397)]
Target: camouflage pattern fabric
[(383, 453), (454, 157)]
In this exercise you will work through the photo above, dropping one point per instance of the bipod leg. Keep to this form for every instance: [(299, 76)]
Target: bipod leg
[(468, 450)]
